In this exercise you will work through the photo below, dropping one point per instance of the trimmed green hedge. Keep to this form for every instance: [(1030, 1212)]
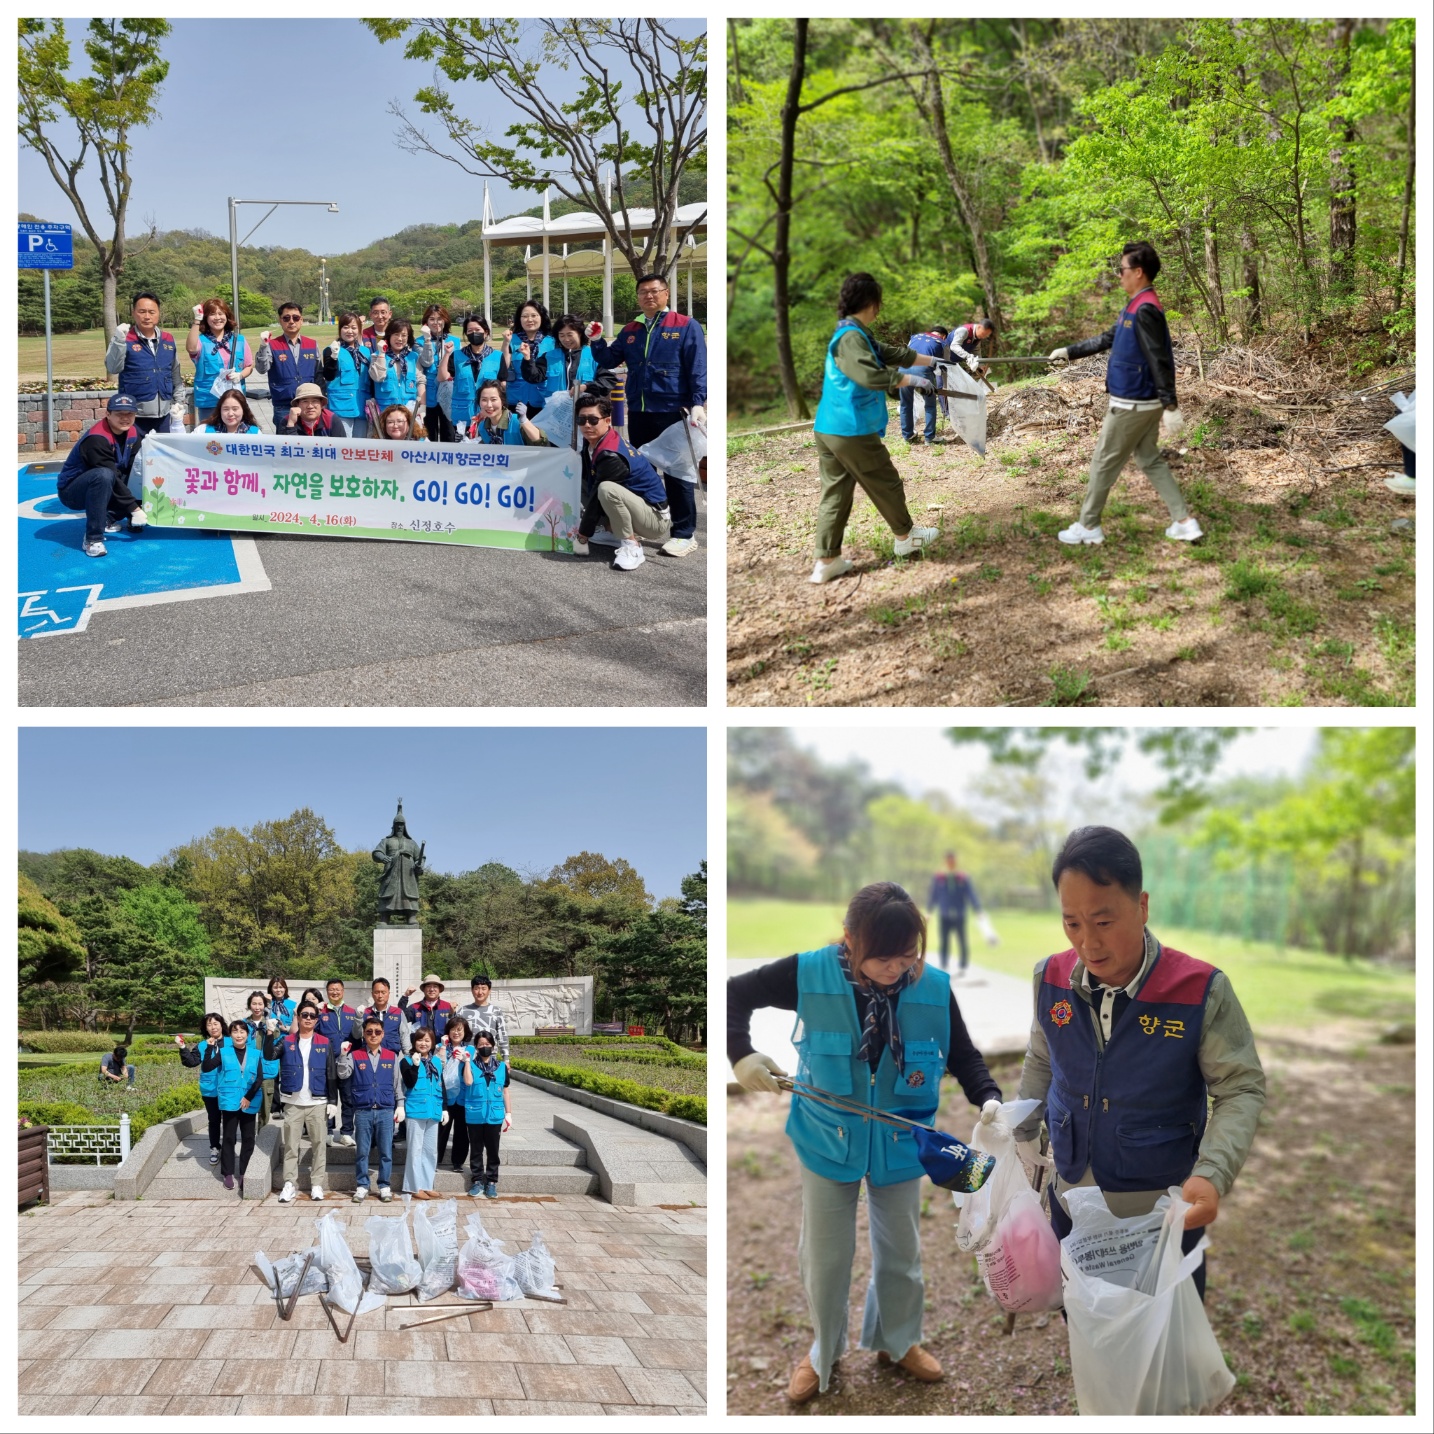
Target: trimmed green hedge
[(687, 1107), (59, 1043), (607, 1043), (179, 1101)]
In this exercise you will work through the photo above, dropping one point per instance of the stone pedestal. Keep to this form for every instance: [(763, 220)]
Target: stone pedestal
[(398, 957)]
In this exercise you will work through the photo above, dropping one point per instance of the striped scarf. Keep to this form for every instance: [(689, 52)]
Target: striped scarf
[(880, 1028)]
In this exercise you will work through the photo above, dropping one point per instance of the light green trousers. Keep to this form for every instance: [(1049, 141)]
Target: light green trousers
[(1129, 433), (845, 463)]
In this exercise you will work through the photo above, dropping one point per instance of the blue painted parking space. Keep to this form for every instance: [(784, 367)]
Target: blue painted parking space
[(60, 588)]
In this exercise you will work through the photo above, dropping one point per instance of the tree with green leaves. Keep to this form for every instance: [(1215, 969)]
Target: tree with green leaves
[(115, 98), (576, 118), (50, 946)]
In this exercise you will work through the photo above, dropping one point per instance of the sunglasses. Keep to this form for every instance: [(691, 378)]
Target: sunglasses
[(589, 420), (290, 318), (307, 1016)]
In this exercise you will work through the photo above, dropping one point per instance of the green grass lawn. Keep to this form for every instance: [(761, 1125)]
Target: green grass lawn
[(1284, 989), (82, 1086), (82, 355)]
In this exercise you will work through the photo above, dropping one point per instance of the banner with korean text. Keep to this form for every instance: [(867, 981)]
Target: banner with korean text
[(491, 496)]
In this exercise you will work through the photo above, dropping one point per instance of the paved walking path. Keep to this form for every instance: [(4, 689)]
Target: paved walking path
[(150, 1308)]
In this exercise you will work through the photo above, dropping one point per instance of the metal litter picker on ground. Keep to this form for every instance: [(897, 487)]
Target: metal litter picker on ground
[(949, 1162)]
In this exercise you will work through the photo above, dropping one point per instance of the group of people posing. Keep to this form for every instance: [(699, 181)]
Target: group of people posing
[(419, 1072), (389, 379), (1140, 1058)]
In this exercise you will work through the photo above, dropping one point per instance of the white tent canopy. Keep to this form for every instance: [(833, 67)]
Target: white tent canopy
[(530, 232), (583, 263)]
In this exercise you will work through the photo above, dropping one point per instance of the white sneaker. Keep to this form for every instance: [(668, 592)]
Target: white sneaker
[(94, 548), (629, 555), (915, 540), (679, 547), (345, 1140), (580, 548), (1077, 534), (361, 1194), (829, 568), (1399, 484), (113, 527), (1185, 531), (316, 1192), (137, 519), (604, 538), (214, 1155), (385, 1194), (287, 1194)]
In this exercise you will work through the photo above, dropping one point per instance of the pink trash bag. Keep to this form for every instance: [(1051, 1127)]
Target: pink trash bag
[(1003, 1225)]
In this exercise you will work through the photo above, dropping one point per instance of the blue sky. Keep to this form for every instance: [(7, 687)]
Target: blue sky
[(337, 144), (474, 794)]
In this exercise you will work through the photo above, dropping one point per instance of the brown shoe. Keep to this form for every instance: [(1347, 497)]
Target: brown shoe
[(804, 1383), (419, 1194), (917, 1363)]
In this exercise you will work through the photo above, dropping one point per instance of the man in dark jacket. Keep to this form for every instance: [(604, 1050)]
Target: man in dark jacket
[(620, 486), (951, 893), (95, 475), (290, 362), (1142, 409), (313, 420)]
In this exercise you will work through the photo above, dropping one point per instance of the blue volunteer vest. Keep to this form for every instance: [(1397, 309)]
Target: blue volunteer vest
[(351, 388), (512, 433), (1134, 1113), (373, 1090), (430, 374), (558, 362), (209, 365), (209, 1080), (256, 1041), (124, 452), (288, 371), (391, 1017), (291, 1067), (424, 1100), (335, 1025), (483, 1100), (420, 1017), (1127, 375), (400, 385), (642, 479), (146, 376), (466, 380), (236, 1076), (847, 410), (845, 1147), (519, 389)]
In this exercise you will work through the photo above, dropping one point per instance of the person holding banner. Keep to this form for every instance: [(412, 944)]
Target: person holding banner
[(95, 476), (439, 349), (474, 363), (398, 371), (621, 485), (219, 353), (397, 425), (289, 361), (348, 368), (232, 415), (309, 418), (531, 339), (146, 359), (876, 1025)]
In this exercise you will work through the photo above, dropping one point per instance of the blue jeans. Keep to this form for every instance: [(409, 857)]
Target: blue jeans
[(907, 398), (102, 494), (373, 1127)]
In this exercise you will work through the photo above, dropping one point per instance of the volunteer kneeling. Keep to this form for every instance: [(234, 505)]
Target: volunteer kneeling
[(619, 485), (1130, 1044), (95, 476), (875, 1025)]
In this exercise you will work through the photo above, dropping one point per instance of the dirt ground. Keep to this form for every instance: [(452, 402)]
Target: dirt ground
[(1301, 593), (1311, 1264)]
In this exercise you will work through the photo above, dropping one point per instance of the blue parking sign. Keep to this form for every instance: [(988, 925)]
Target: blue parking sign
[(46, 246)]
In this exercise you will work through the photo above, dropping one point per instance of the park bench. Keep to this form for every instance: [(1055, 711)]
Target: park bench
[(555, 1031)]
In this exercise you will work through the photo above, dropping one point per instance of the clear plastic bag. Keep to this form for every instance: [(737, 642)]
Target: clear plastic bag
[(345, 1281), (968, 419), (670, 452), (484, 1271), (282, 1273), (435, 1233), (535, 1271), (392, 1268), (1003, 1224), (555, 422), (1139, 1337), (1401, 426)]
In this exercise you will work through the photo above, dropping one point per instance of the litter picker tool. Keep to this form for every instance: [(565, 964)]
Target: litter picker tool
[(949, 1162)]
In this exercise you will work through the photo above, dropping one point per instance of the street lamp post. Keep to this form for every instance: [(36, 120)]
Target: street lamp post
[(234, 241)]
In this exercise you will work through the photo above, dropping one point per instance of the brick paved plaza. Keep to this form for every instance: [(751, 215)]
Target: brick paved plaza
[(150, 1308)]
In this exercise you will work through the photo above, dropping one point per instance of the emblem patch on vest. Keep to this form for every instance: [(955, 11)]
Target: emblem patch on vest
[(1061, 1013), (916, 1078)]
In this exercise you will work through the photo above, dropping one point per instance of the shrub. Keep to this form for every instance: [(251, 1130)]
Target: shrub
[(58, 1043), (646, 1096), (688, 1107), (58, 1112)]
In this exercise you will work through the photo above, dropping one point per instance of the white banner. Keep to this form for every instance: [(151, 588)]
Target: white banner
[(491, 496)]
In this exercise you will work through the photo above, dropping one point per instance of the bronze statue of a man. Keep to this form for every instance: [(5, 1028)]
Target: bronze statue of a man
[(402, 859)]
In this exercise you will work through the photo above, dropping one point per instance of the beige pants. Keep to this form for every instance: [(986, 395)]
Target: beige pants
[(630, 516), (1129, 433), (310, 1120)]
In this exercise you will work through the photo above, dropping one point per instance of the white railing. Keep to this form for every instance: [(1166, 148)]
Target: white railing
[(97, 1140)]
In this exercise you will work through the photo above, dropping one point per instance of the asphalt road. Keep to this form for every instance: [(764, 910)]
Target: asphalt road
[(353, 623)]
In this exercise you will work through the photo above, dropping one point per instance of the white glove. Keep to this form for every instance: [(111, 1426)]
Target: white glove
[(521, 410), (758, 1072), (332, 1111), (507, 1125), (1172, 423), (699, 416), (973, 362), (593, 331), (398, 1116), (988, 930), (1030, 1154), (334, 348), (443, 1119), (121, 332), (199, 313), (990, 1111), (1060, 355)]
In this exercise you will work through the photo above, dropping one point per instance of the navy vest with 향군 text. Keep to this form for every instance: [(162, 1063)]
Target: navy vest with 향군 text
[(1127, 374)]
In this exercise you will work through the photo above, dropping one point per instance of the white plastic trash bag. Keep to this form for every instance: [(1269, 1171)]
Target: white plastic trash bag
[(968, 419), (392, 1268), (555, 422), (1401, 426), (345, 1281), (484, 1271), (670, 453), (1003, 1225), (282, 1273), (1140, 1341), (535, 1271), (435, 1233)]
